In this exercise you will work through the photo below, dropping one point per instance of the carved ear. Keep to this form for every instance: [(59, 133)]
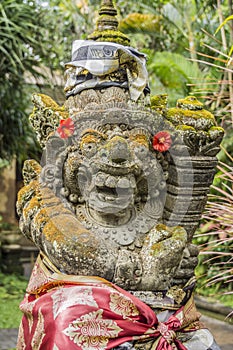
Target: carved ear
[(46, 116)]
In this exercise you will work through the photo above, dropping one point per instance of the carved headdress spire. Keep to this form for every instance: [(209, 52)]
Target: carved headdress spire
[(107, 25)]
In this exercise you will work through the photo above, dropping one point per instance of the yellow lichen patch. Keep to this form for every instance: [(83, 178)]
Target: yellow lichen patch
[(23, 192), (41, 218), (139, 138), (91, 136), (33, 205), (51, 201), (63, 114), (156, 248), (73, 162), (48, 102), (27, 190), (179, 232), (217, 128), (162, 227), (52, 233), (31, 170)]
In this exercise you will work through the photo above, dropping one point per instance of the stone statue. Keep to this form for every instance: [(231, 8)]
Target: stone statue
[(113, 206)]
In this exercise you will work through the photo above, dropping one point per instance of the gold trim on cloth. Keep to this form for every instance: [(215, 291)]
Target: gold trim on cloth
[(47, 275)]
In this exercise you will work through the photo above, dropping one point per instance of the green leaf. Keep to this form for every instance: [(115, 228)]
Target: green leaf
[(223, 23)]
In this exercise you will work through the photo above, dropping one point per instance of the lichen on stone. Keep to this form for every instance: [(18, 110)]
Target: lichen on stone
[(41, 217), (198, 119), (189, 102), (141, 139), (33, 205), (27, 191), (47, 102), (52, 233)]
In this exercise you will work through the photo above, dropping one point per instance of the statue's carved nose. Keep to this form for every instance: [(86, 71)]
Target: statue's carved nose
[(119, 150)]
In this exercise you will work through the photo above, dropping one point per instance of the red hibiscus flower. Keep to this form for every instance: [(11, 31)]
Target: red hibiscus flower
[(66, 128), (162, 141)]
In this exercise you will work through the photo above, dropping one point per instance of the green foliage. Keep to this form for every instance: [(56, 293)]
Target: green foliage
[(171, 73), (12, 290), (140, 23), (35, 33), (21, 49), (215, 239)]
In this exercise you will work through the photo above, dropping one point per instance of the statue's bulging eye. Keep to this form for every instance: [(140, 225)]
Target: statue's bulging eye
[(141, 151), (89, 149)]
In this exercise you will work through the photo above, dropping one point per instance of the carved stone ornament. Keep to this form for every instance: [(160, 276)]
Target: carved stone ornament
[(122, 181)]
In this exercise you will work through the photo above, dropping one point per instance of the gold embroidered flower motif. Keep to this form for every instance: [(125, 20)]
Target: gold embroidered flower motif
[(122, 305), (91, 331)]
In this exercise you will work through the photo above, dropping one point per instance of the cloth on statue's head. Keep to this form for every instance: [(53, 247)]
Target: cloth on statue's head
[(100, 59)]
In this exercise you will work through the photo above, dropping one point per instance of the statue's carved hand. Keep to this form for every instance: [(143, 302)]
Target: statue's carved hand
[(161, 255), (187, 265), (128, 269)]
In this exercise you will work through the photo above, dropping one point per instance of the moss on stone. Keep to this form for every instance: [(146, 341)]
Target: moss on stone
[(159, 101), (189, 102), (182, 114), (107, 25), (110, 36), (185, 128), (215, 132), (217, 128)]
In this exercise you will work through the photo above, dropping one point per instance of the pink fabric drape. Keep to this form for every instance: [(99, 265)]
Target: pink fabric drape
[(82, 313)]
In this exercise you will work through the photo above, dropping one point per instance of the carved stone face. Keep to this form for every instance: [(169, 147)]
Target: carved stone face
[(115, 174)]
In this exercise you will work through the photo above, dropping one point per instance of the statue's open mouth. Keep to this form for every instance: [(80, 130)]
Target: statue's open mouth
[(109, 192), (113, 194)]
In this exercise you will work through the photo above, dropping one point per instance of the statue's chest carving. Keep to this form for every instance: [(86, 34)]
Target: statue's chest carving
[(131, 233)]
